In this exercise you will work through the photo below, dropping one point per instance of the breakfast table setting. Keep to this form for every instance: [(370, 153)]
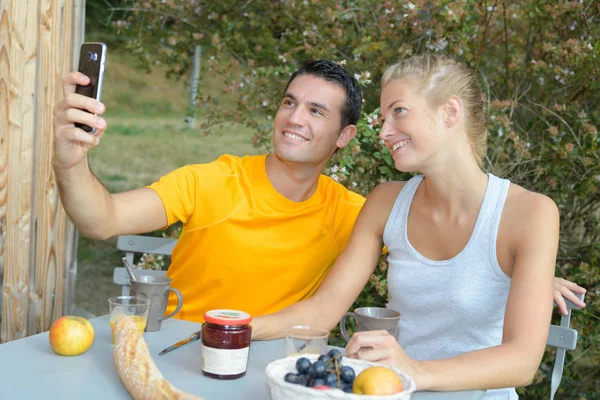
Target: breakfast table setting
[(30, 369), (138, 351)]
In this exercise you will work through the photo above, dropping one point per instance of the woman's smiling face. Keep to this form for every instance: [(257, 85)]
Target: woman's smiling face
[(409, 127)]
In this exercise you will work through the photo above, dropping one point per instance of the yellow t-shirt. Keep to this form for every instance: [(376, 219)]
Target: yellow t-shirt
[(243, 245)]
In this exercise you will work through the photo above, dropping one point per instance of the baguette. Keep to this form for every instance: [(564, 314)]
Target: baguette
[(136, 369)]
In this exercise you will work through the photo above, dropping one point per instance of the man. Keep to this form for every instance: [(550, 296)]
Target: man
[(259, 232)]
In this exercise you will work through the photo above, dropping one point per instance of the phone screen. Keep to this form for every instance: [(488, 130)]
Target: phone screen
[(92, 58)]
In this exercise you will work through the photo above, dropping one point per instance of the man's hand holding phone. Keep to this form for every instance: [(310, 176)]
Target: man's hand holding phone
[(71, 143), (78, 127)]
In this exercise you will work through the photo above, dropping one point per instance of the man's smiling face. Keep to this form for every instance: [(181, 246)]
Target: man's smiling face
[(308, 122)]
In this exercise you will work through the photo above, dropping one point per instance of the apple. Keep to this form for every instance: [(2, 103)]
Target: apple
[(377, 381), (71, 335)]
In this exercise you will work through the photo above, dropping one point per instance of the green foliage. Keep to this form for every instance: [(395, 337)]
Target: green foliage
[(538, 59), (98, 16)]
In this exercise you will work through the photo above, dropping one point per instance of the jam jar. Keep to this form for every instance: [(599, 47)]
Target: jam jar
[(226, 337)]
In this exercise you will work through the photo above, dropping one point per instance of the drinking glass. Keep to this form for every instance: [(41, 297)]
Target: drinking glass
[(302, 339), (128, 306)]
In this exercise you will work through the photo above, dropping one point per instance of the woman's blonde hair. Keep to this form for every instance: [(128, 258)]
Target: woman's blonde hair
[(439, 77)]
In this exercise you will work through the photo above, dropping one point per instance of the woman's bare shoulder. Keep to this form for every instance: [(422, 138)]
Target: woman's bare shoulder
[(387, 190), (380, 202), (521, 200), (528, 212), (384, 195)]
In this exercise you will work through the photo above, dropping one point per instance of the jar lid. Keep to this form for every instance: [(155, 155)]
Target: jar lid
[(227, 317)]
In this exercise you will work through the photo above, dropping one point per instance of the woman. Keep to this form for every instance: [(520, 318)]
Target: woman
[(471, 256)]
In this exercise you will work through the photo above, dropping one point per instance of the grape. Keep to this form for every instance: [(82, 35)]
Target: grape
[(336, 356), (291, 377), (347, 374), (317, 370), (302, 365), (347, 387), (334, 352), (324, 358), (327, 371), (331, 380), (317, 382), (302, 381), (311, 372)]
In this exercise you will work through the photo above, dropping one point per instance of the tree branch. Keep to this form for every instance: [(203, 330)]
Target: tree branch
[(506, 54)]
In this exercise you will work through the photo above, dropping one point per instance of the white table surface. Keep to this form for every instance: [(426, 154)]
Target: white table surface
[(29, 369)]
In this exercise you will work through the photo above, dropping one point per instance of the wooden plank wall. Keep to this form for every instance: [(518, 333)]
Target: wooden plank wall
[(71, 234), (4, 84), (18, 74), (36, 40)]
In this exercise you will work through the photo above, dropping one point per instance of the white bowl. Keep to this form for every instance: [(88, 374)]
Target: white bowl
[(282, 390)]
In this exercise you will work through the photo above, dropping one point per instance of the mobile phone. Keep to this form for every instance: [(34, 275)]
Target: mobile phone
[(92, 59)]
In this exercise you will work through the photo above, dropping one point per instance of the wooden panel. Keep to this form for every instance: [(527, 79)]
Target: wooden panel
[(71, 242), (18, 45), (4, 84), (70, 248), (37, 242), (46, 267), (54, 234)]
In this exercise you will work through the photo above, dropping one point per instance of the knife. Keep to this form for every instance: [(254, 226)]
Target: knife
[(193, 337)]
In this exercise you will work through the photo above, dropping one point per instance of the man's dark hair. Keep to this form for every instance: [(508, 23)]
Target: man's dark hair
[(331, 72)]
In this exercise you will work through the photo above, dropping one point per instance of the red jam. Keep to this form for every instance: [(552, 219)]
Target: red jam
[(226, 337)]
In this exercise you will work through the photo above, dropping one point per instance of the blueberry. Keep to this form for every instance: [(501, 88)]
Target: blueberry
[(302, 365), (317, 382), (347, 374), (291, 377), (331, 380)]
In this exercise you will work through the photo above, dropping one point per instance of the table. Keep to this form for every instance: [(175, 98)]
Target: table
[(29, 369)]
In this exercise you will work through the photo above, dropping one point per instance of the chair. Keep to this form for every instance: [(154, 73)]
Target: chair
[(563, 338), (131, 244)]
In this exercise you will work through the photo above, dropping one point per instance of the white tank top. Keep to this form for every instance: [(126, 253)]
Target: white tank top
[(452, 306)]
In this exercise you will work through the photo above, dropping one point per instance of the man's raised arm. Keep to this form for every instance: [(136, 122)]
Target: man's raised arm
[(95, 212)]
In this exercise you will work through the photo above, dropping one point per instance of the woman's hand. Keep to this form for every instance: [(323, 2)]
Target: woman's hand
[(564, 289), (381, 347)]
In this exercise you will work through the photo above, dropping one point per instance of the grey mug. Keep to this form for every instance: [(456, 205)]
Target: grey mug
[(371, 319), (156, 289)]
